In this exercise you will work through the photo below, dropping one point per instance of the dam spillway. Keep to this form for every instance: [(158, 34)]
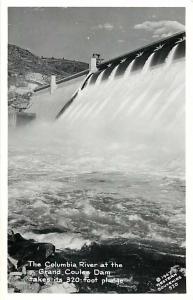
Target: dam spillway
[(159, 54), (140, 97)]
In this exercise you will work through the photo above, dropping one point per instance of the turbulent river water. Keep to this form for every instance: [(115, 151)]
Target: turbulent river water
[(111, 170), (92, 196)]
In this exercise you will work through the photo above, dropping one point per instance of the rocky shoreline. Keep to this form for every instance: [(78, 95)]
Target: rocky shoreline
[(35, 267), (20, 252)]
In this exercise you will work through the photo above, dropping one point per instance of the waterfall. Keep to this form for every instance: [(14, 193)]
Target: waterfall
[(99, 79), (89, 80), (147, 65), (175, 95), (73, 109), (147, 108), (129, 68), (131, 107), (112, 75), (171, 56)]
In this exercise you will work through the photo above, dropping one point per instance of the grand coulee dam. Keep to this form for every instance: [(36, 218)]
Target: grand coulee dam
[(100, 170)]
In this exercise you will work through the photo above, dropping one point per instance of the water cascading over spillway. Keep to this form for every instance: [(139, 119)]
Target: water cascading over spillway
[(143, 107)]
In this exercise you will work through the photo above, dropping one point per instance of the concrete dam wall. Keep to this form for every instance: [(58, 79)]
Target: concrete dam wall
[(49, 106), (46, 105), (142, 99), (160, 53)]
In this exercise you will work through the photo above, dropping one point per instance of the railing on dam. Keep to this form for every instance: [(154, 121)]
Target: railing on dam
[(65, 79)]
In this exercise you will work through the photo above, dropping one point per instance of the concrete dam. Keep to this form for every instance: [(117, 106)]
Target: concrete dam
[(114, 74)]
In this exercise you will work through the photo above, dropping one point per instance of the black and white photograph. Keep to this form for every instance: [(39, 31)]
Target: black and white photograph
[(96, 150)]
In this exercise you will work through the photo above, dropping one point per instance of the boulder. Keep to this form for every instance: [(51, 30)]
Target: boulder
[(24, 250)]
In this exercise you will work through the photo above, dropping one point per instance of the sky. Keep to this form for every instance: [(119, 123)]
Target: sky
[(78, 32)]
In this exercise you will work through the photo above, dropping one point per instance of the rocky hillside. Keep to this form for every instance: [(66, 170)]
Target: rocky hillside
[(27, 71)]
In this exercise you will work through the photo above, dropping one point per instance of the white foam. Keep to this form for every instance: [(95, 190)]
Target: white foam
[(60, 240)]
